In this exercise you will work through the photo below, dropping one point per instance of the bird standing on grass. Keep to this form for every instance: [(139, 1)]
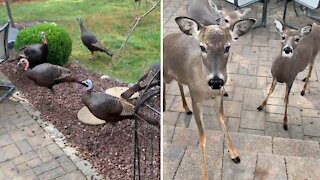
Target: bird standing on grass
[(36, 53), (90, 40)]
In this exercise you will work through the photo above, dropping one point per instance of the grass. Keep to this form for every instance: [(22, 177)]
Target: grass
[(110, 21)]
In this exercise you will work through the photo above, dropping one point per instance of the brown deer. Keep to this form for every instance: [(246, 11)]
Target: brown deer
[(200, 63), (299, 48), (207, 13), (137, 4)]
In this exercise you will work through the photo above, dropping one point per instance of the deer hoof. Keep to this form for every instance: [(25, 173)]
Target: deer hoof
[(304, 80), (236, 160), (285, 127), (225, 94), (260, 108), (189, 112), (302, 93)]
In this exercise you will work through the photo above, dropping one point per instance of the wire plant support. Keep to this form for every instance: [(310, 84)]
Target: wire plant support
[(146, 133)]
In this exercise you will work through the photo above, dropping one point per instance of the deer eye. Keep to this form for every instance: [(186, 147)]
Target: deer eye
[(226, 20), (227, 49), (297, 39), (283, 38), (203, 49)]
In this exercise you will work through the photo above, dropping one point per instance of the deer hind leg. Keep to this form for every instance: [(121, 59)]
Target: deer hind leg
[(273, 85), (306, 80), (232, 151), (164, 96), (184, 102), (286, 101), (225, 93), (202, 138), (137, 4)]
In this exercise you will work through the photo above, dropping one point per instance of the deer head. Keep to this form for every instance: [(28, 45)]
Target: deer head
[(214, 42), (290, 38), (229, 16)]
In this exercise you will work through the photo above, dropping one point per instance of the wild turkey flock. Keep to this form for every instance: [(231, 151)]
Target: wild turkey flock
[(106, 107)]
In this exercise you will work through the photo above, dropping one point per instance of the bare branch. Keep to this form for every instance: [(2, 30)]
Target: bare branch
[(136, 22)]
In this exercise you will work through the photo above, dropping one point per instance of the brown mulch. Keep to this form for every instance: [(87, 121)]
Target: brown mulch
[(112, 155)]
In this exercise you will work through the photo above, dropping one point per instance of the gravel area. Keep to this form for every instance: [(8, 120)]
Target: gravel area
[(112, 156)]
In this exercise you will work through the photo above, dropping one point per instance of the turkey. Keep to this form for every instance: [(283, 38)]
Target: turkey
[(90, 40), (106, 107), (36, 53), (48, 75), (154, 70)]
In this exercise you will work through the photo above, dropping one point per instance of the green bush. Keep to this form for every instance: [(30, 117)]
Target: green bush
[(59, 42)]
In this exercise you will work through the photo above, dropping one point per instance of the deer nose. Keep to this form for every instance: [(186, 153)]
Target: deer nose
[(216, 83), (287, 50)]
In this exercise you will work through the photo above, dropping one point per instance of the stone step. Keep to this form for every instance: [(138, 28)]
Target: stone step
[(262, 157), (183, 162), (243, 142)]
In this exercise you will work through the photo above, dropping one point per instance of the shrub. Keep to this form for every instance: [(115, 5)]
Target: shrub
[(59, 42)]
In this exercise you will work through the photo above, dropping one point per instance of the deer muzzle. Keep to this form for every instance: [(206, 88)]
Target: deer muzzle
[(216, 82), (287, 51)]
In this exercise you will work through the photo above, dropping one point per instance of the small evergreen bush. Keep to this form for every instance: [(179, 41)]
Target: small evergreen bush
[(59, 42)]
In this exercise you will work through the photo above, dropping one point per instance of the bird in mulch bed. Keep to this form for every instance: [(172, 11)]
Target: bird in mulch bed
[(144, 81), (36, 53), (90, 40), (47, 75), (106, 107)]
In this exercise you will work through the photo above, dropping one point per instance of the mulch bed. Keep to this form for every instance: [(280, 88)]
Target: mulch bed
[(112, 155)]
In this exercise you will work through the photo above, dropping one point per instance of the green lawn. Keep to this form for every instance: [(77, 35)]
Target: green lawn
[(110, 21)]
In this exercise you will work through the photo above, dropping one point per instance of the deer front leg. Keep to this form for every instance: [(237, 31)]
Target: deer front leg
[(273, 85), (306, 80), (202, 138), (184, 102), (286, 101), (232, 151)]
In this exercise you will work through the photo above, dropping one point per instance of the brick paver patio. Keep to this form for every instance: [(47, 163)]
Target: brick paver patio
[(277, 154), (26, 150)]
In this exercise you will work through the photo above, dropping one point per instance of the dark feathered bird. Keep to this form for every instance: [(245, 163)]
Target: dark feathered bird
[(144, 81), (48, 75), (36, 53), (106, 107), (90, 40)]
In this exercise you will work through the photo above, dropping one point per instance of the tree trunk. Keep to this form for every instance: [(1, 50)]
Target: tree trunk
[(9, 13)]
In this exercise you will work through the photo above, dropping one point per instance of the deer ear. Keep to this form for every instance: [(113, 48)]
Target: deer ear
[(241, 27), (279, 25), (243, 11), (305, 30), (214, 6), (189, 26)]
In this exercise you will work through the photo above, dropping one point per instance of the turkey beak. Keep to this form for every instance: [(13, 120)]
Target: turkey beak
[(19, 65)]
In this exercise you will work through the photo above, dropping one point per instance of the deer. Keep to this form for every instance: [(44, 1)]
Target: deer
[(207, 13), (299, 49), (137, 4), (197, 57)]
